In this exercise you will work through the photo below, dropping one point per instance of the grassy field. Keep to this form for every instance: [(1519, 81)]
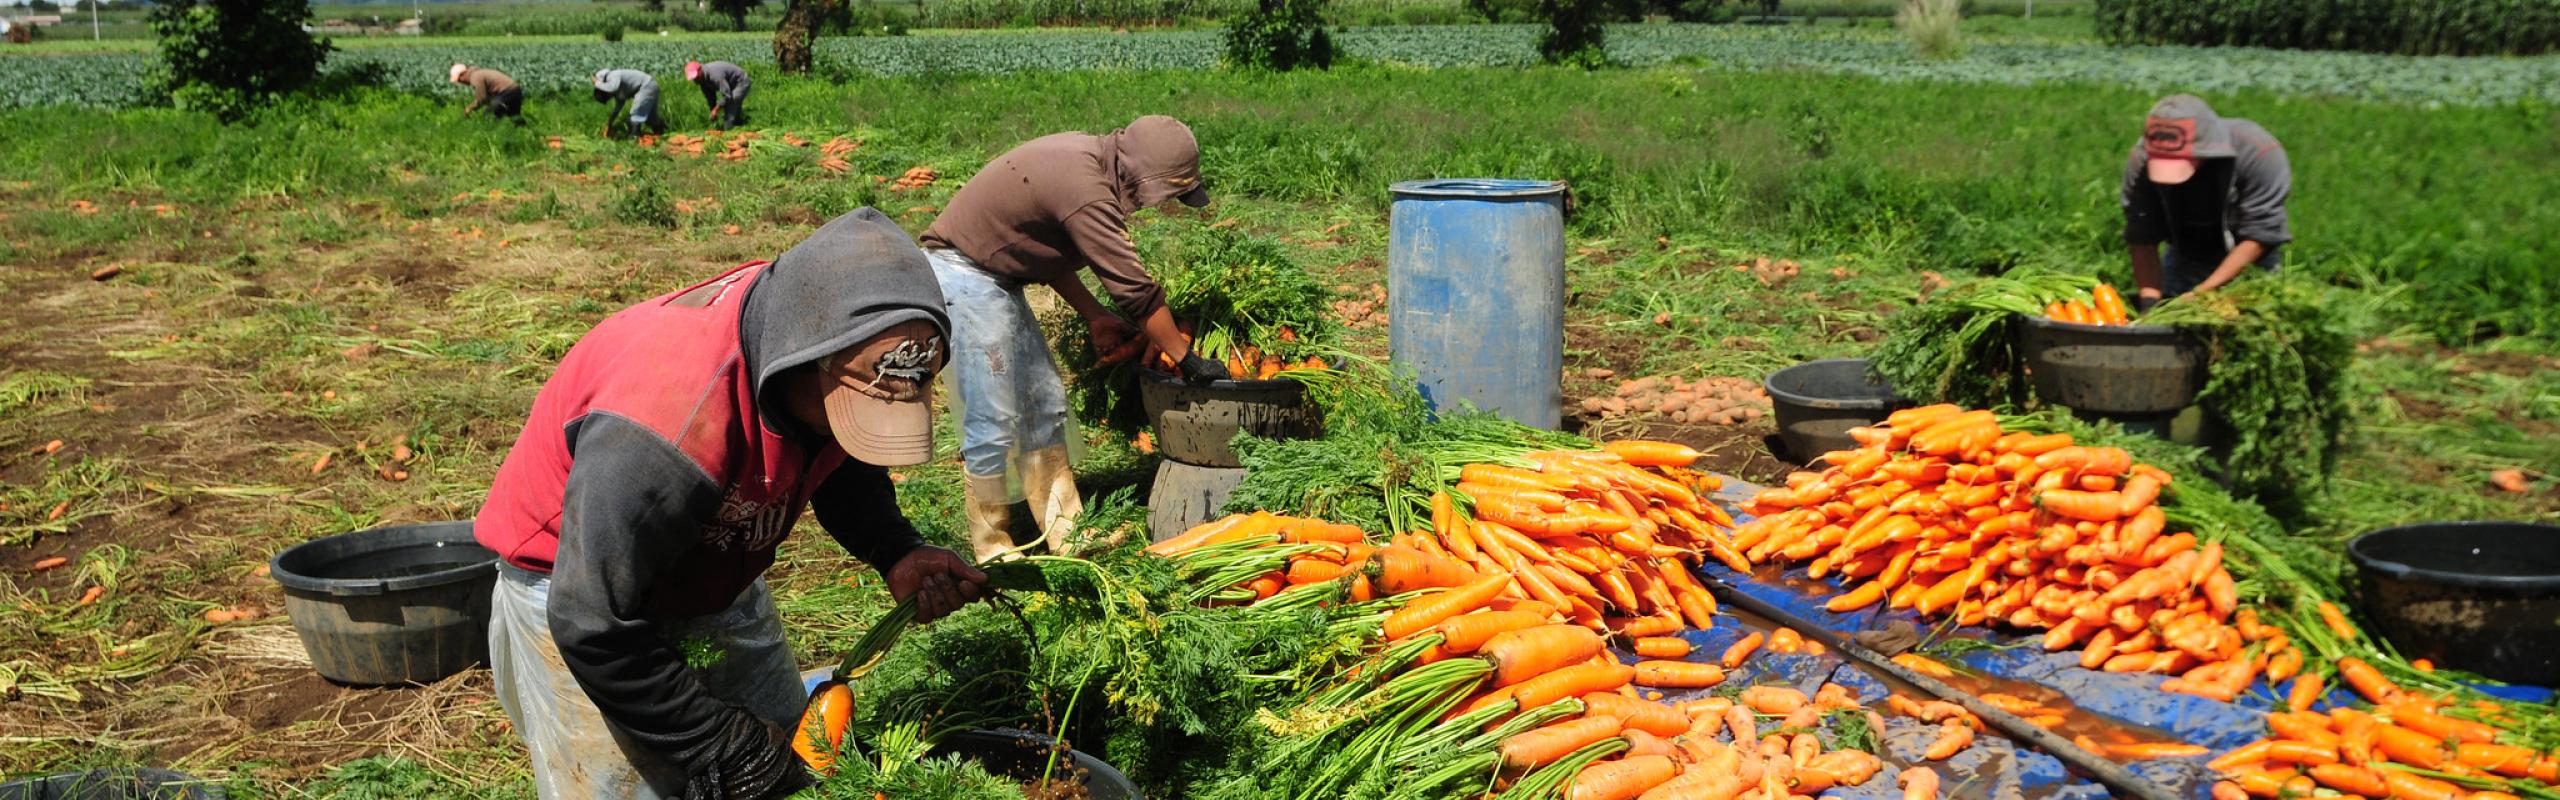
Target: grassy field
[(370, 270)]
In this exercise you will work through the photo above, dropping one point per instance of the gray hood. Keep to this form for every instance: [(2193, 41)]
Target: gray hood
[(856, 276)]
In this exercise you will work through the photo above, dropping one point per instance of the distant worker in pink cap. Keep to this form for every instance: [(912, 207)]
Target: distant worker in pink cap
[(724, 89), (490, 89), (2214, 189)]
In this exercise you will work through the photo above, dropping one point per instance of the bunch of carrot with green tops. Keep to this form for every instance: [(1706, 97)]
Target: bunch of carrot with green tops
[(2400, 743), (1604, 536)]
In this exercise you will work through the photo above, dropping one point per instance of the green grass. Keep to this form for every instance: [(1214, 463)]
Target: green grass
[(317, 287)]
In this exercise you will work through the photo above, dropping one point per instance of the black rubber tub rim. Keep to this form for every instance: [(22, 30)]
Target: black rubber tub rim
[(1152, 375), (360, 587), (2356, 552), (2083, 327), (1890, 400)]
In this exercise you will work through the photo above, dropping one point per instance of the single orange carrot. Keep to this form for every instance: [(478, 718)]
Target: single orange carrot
[(1547, 745), (1530, 652), (1662, 647), (1741, 650), (1430, 610), (1677, 674), (1641, 715)]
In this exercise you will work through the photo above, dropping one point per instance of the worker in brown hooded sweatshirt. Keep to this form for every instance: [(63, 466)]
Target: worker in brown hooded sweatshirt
[(1041, 214)]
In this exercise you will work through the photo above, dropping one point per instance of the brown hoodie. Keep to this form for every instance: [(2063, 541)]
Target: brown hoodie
[(1062, 202)]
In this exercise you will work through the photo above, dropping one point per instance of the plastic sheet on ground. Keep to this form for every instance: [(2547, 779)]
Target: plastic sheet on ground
[(1993, 767)]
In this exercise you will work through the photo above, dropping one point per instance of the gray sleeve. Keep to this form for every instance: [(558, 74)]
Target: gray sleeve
[(633, 508), (733, 82), (858, 505), (2141, 201), (2260, 184)]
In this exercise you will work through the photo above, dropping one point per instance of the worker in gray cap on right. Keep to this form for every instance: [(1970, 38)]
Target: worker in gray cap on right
[(2213, 189)]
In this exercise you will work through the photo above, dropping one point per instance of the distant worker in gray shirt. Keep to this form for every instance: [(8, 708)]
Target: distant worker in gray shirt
[(490, 89), (724, 89), (2214, 189), (620, 87)]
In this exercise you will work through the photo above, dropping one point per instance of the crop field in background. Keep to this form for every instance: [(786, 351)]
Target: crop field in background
[(562, 64), (367, 268)]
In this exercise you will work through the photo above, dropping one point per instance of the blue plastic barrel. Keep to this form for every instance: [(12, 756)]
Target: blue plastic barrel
[(1475, 279)]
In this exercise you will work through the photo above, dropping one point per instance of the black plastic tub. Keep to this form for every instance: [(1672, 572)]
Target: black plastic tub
[(404, 604), (1022, 755), (2121, 370), (1185, 496), (1194, 422), (2480, 597), (1817, 402), (111, 784)]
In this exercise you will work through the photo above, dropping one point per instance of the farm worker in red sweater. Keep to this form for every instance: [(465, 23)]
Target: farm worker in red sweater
[(1041, 214), (2214, 189), (632, 640)]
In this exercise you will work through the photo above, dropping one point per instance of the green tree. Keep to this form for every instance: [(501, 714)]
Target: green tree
[(737, 11), (228, 57), (1281, 35), (45, 6), (1574, 35), (794, 37)]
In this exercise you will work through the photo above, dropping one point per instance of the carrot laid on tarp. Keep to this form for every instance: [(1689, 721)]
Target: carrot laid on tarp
[(2337, 621), (1662, 647), (1741, 650), (1430, 610), (1573, 681), (1643, 715), (1644, 453), (1467, 633), (1677, 674), (1547, 745), (2306, 689), (1621, 779), (2367, 681), (1530, 652), (1397, 569)]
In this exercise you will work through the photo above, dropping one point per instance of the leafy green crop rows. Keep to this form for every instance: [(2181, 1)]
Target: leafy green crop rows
[(2454, 27), (563, 66)]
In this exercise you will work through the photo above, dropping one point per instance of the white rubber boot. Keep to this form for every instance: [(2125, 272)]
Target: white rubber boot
[(989, 516), (1050, 485)]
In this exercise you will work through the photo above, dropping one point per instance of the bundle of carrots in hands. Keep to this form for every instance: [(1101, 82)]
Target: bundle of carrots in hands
[(2104, 307), (1941, 511)]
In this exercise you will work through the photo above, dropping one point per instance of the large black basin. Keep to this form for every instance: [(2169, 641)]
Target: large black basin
[(2480, 597), (2112, 369), (1817, 402)]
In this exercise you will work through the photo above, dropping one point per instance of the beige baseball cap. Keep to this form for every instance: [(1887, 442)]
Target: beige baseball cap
[(880, 394)]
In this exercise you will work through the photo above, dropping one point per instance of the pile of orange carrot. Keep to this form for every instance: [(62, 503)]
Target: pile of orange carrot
[(1605, 536), (2403, 745), (1941, 511), (1538, 667), (2104, 307)]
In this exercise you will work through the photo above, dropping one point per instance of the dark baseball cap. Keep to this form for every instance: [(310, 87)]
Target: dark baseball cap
[(2179, 130)]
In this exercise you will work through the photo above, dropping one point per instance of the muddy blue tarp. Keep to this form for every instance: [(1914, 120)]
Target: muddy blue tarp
[(1993, 767)]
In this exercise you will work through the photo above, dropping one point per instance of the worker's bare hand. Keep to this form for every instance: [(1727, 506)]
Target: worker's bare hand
[(939, 580), (1114, 339)]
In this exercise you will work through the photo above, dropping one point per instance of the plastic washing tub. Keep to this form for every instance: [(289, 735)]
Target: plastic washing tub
[(403, 604), (1817, 402), (2480, 597), (1194, 422)]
